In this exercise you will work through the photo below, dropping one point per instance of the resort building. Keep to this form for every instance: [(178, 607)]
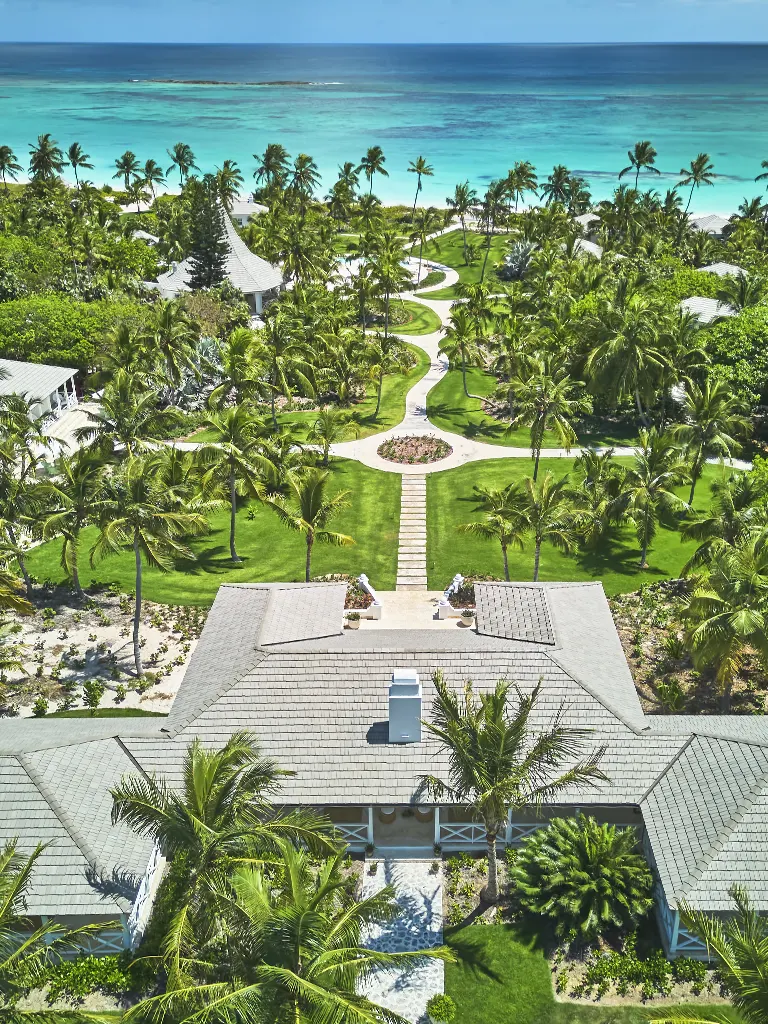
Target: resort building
[(258, 280), (706, 310), (713, 224), (50, 389), (724, 270), (244, 208), (343, 710)]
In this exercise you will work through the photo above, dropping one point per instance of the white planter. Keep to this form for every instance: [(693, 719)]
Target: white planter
[(353, 623)]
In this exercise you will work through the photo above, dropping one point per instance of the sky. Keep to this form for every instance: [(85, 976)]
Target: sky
[(383, 21)]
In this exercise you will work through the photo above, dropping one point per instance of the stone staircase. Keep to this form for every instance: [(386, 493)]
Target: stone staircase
[(412, 546)]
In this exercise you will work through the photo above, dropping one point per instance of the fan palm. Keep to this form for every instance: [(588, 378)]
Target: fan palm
[(699, 173), (641, 158), (183, 159), (231, 458), (650, 485), (497, 762), (46, 160), (546, 514), (71, 503), (548, 400), (500, 521), (373, 163), (727, 613), (308, 511), (78, 158), (9, 165), (140, 514), (127, 167), (421, 169), (713, 419)]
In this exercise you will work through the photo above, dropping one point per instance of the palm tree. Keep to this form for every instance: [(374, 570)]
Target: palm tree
[(294, 950), (426, 224), (46, 160), (641, 158), (742, 291), (657, 469), (136, 192), (231, 458), (546, 513), (229, 181), (373, 163), (713, 418), (699, 173), (548, 400), (459, 342), (521, 179), (127, 167), (305, 177), (497, 763), (387, 270), (500, 522), (170, 338), (599, 495), (286, 357), (384, 355), (308, 511), (331, 426), (727, 613), (29, 950), (9, 165), (138, 513), (183, 159), (739, 509), (152, 174), (273, 164), (555, 188), (462, 202), (72, 502), (421, 169), (78, 158)]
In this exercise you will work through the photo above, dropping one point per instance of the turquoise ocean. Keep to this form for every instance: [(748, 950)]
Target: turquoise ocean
[(470, 110)]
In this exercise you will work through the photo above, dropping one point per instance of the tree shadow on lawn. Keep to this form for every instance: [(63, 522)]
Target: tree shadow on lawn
[(613, 556), (471, 950), (211, 561), (471, 429)]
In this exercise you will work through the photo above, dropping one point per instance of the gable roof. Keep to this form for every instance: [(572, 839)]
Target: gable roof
[(712, 223), (514, 612), (244, 269), (37, 380), (706, 310), (723, 269)]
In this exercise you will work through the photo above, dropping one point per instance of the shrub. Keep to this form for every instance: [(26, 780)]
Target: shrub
[(40, 707), (586, 876), (72, 980), (441, 1008)]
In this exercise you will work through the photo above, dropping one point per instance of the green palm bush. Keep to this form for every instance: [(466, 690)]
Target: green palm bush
[(586, 876)]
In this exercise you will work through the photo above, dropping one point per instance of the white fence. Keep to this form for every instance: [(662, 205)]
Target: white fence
[(142, 905)]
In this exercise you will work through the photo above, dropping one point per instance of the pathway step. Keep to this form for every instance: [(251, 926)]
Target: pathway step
[(412, 540)]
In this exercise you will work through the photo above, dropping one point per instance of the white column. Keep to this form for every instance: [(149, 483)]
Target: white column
[(370, 826), (675, 934), (508, 830), (437, 826)]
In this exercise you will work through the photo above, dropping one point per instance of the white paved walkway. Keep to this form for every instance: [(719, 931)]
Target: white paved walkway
[(419, 926), (412, 543)]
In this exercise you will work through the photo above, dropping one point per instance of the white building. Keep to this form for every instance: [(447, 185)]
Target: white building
[(253, 276), (243, 208), (712, 223), (724, 270), (51, 389), (706, 310)]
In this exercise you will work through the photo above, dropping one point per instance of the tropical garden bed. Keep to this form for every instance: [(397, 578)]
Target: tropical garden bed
[(357, 597), (414, 448)]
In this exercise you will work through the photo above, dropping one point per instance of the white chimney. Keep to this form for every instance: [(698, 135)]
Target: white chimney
[(405, 706)]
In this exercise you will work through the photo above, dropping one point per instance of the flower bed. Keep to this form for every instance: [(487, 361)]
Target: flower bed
[(414, 449), (464, 597), (357, 596)]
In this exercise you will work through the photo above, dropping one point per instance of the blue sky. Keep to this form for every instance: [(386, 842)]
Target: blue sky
[(243, 21)]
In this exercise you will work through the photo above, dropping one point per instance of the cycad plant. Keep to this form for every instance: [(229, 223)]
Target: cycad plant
[(587, 877)]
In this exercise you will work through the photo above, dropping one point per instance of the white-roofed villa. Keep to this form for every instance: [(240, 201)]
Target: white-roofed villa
[(50, 389)]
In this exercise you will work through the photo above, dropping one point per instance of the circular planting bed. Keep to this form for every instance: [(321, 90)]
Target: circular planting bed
[(414, 449)]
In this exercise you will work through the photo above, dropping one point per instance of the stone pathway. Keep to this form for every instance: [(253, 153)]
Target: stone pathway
[(412, 543), (420, 925)]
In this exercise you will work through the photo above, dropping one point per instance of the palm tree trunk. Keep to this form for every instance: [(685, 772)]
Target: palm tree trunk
[(690, 197), (232, 513), (695, 473), (464, 237), (640, 410), (386, 314), (644, 552), (464, 376), (21, 560), (637, 177), (310, 542), (137, 609), (490, 893), (421, 253), (487, 254), (378, 395), (725, 696), (416, 199), (506, 561), (74, 541), (536, 560), (275, 425), (536, 457)]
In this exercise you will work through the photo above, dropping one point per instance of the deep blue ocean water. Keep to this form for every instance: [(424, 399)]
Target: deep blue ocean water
[(470, 110)]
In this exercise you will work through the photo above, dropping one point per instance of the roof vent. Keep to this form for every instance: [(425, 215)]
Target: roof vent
[(405, 706)]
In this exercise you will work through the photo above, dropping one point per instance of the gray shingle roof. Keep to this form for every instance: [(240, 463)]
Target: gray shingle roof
[(723, 269), (514, 612), (303, 613), (706, 310), (38, 380), (244, 269)]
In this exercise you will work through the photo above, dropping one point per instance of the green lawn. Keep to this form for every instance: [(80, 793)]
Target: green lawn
[(270, 551), (396, 387), (424, 320), (108, 713), (450, 501), (451, 254), (504, 979), (450, 409)]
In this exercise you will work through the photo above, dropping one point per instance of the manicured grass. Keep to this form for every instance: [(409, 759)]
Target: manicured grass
[(450, 501), (450, 409), (504, 978), (392, 411), (270, 552), (451, 254), (424, 320), (108, 713), (434, 277)]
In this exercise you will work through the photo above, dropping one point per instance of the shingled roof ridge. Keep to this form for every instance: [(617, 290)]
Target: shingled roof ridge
[(637, 730), (703, 861), (69, 825), (259, 656), (662, 774)]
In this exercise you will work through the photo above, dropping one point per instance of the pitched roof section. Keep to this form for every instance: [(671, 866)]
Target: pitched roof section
[(514, 612), (723, 269), (303, 613), (697, 804), (38, 380), (244, 269), (706, 310)]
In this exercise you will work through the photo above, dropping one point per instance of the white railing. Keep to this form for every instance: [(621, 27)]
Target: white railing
[(374, 610), (469, 834), (142, 905), (353, 833), (690, 945), (517, 833)]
